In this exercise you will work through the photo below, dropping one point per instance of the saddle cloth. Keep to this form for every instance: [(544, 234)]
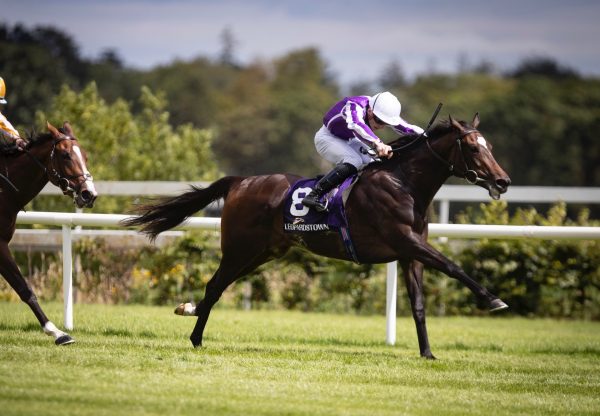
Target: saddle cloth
[(300, 219)]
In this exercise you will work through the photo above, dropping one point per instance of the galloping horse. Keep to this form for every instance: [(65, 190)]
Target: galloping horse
[(386, 211), (56, 157)]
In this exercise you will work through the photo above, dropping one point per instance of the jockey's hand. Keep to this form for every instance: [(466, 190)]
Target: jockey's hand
[(20, 143), (383, 150)]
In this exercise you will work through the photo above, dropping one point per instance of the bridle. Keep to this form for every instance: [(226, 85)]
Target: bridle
[(59, 180), (469, 174)]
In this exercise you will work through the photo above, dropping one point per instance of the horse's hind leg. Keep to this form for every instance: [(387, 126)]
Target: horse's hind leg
[(12, 274), (228, 272), (413, 277)]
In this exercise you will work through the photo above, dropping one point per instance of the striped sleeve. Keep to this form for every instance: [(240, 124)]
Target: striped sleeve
[(354, 116), (407, 128)]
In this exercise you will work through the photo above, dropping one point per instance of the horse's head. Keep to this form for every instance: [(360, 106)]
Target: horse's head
[(472, 159), (67, 167)]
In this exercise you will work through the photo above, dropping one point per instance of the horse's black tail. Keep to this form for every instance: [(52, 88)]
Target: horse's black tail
[(170, 212)]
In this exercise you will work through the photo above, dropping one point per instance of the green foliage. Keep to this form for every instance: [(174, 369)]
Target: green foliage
[(124, 146), (178, 272), (535, 277), (269, 121), (35, 63)]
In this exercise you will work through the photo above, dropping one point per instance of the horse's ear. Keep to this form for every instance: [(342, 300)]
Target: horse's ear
[(52, 129), (68, 129), (475, 122), (455, 123)]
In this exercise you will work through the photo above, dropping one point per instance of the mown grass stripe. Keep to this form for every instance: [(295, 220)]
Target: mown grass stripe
[(137, 360)]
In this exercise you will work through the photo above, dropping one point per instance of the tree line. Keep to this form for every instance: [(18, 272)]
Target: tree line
[(261, 117)]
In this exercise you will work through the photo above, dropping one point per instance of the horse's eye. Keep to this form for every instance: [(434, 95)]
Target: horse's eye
[(66, 156), (474, 149)]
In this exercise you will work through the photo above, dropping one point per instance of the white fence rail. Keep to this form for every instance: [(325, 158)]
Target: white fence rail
[(68, 220), (446, 195)]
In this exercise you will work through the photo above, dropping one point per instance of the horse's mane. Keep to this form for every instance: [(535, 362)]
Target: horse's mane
[(438, 130)]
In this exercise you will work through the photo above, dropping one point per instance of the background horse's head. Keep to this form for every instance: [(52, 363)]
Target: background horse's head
[(67, 167), (473, 160)]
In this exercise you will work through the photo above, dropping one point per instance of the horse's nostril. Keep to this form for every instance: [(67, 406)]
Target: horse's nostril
[(503, 183), (86, 196)]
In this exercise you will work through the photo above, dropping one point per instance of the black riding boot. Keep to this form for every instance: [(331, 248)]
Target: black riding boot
[(326, 184)]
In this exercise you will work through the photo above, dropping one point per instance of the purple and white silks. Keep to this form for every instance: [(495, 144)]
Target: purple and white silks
[(346, 119)]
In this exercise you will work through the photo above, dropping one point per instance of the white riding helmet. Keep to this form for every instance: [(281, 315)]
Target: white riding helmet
[(386, 107), (2, 91)]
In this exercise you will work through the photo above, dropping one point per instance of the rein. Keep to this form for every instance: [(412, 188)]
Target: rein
[(5, 177)]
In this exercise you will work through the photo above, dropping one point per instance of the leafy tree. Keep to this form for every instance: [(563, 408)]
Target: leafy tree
[(271, 122), (546, 127), (543, 67), (124, 146), (35, 63)]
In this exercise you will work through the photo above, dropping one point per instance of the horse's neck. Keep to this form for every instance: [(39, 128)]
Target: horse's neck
[(27, 175), (423, 173)]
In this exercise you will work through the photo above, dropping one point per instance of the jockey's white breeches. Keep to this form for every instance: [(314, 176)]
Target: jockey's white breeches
[(336, 150)]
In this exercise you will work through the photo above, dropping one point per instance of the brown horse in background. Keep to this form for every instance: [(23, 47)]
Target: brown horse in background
[(56, 157), (386, 211)]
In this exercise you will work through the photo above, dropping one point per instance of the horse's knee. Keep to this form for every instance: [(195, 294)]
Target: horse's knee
[(419, 315), (454, 270)]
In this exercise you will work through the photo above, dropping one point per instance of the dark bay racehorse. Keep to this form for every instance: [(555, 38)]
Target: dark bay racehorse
[(386, 210), (56, 157)]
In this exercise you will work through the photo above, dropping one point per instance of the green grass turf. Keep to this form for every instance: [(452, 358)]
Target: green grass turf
[(137, 360)]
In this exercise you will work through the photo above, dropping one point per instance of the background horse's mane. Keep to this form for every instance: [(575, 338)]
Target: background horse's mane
[(33, 137)]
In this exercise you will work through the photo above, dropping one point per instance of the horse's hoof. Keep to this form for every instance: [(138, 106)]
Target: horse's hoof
[(497, 305), (64, 340), (196, 342), (185, 309), (428, 356), (179, 309)]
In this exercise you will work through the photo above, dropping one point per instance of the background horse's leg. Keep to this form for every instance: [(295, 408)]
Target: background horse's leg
[(12, 274), (430, 257), (230, 269), (413, 277)]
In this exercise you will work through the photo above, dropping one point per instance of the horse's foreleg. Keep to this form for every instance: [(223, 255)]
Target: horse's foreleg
[(413, 277), (12, 274), (430, 257)]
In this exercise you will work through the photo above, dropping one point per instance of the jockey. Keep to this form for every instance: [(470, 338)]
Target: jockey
[(347, 133), (9, 136)]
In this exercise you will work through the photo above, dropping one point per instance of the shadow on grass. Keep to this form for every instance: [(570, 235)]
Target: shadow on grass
[(584, 350), (30, 327)]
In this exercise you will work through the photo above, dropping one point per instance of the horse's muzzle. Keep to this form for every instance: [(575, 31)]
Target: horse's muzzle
[(86, 198), (498, 187)]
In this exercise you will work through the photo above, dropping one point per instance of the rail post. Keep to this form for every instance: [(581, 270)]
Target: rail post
[(391, 296), (67, 276)]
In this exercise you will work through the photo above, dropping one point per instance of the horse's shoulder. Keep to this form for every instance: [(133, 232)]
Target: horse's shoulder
[(381, 179)]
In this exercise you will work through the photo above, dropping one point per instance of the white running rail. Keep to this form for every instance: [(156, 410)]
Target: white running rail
[(69, 220)]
